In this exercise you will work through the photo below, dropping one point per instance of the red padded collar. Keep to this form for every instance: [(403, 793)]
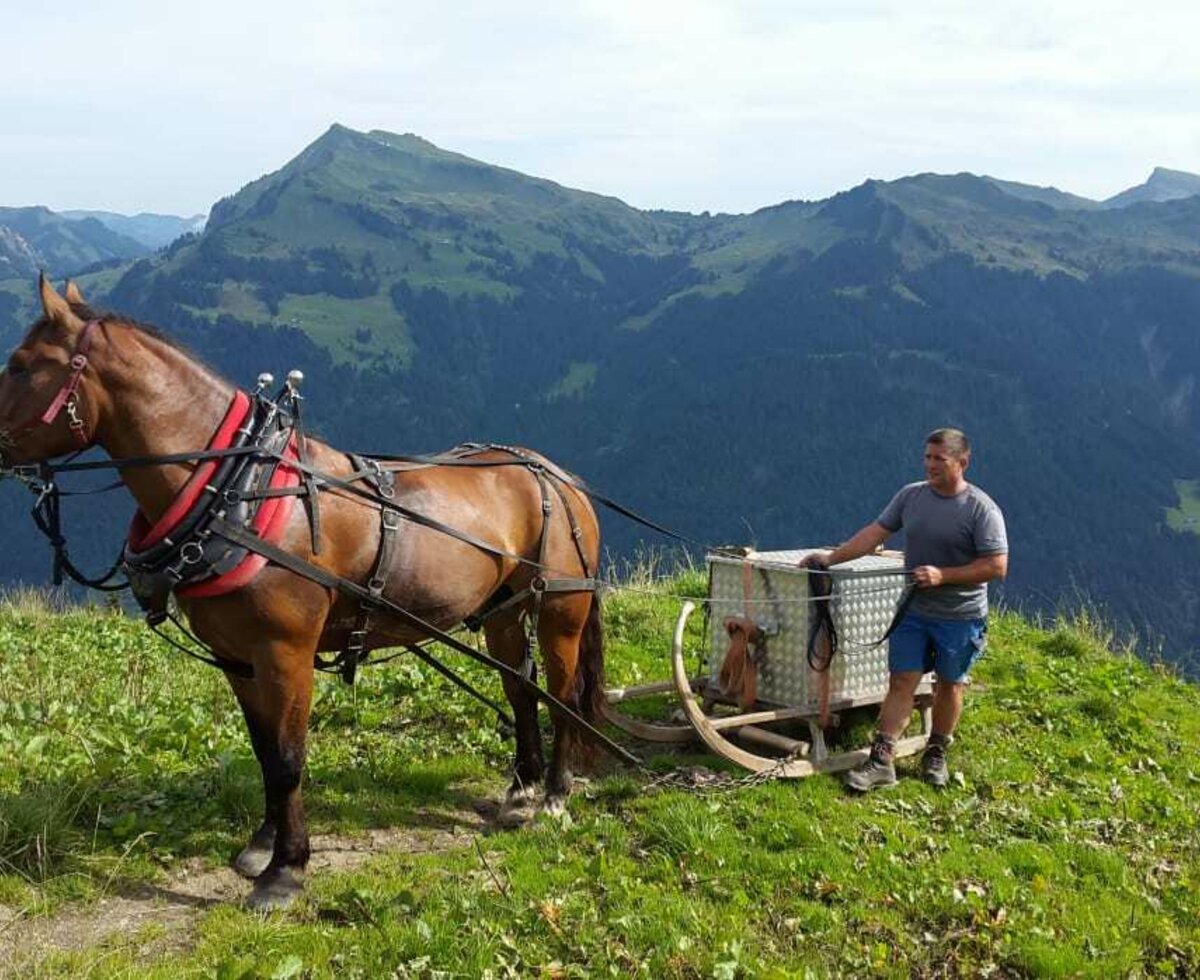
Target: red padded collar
[(141, 534)]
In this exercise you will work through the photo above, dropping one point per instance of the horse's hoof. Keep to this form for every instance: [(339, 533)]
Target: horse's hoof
[(555, 806), (253, 860), (274, 890), (521, 796), (515, 815)]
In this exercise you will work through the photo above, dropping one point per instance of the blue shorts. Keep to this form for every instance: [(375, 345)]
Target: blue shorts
[(947, 646)]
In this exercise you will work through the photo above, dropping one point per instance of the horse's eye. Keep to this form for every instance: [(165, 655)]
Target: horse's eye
[(17, 370)]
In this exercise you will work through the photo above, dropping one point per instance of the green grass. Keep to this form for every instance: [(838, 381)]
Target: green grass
[(338, 324), (1067, 847), (1185, 518), (580, 377)]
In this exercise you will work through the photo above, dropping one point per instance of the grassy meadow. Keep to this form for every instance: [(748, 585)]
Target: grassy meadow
[(1067, 845), (1186, 516)]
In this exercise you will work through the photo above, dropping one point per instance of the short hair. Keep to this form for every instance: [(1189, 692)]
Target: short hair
[(955, 441)]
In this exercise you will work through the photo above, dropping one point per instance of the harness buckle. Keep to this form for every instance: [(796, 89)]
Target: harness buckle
[(43, 488), (73, 419), (191, 553), (537, 584), (78, 362), (384, 481), (356, 642)]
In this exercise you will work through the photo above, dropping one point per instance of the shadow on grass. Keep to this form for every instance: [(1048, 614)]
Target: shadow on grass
[(119, 833)]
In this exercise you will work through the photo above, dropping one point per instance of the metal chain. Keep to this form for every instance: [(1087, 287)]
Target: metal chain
[(702, 781)]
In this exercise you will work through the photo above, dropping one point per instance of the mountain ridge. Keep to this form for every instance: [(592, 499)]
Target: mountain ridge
[(152, 230), (1162, 185), (32, 238)]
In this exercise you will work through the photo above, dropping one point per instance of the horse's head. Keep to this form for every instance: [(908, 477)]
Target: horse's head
[(43, 401)]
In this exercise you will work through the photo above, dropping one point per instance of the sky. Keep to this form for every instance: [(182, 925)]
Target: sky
[(719, 106)]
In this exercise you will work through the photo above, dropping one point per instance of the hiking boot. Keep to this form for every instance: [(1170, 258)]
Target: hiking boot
[(934, 770), (878, 771)]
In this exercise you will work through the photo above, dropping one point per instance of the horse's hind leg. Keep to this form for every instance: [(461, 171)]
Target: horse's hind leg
[(569, 650), (506, 642)]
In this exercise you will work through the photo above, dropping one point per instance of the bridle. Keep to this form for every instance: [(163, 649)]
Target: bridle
[(67, 397)]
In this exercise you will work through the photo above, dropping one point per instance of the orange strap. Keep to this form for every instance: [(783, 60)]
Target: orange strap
[(739, 672), (739, 669)]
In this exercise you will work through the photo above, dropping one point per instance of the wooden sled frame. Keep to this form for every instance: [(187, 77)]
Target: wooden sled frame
[(798, 758)]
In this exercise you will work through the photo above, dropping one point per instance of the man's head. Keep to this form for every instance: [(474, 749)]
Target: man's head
[(947, 455)]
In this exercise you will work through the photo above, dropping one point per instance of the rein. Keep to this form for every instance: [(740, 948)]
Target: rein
[(212, 522)]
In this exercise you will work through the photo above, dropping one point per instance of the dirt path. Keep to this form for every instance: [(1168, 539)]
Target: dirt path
[(158, 918)]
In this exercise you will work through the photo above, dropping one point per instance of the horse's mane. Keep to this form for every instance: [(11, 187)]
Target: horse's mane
[(86, 312)]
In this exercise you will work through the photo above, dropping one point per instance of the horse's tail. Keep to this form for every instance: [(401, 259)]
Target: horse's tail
[(591, 664)]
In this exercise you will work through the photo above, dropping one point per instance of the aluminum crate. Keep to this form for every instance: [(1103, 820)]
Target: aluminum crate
[(780, 602)]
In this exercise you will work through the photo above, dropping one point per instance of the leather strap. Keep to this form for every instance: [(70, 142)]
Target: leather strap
[(739, 672), (327, 579), (747, 642)]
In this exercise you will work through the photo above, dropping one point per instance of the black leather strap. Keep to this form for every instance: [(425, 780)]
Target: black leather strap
[(313, 573)]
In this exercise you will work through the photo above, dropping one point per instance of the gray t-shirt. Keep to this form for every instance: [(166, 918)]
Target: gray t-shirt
[(947, 532)]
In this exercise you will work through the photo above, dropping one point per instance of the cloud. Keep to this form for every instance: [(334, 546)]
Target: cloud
[(702, 105)]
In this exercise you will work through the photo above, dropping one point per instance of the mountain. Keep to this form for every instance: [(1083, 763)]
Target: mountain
[(36, 238), (330, 241), (154, 231), (762, 377), (1046, 195), (1162, 185)]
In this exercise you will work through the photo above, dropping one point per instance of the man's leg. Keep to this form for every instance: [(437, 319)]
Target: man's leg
[(879, 769), (897, 708), (947, 706), (908, 653), (959, 644)]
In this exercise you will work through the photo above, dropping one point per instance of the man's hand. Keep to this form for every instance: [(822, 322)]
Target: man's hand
[(974, 573), (927, 576)]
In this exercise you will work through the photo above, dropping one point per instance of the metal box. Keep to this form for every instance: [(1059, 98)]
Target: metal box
[(864, 603)]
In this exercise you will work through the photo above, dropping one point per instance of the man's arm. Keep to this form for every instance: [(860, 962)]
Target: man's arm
[(863, 543), (973, 573)]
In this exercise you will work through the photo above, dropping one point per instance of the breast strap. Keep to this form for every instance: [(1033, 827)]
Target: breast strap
[(178, 553)]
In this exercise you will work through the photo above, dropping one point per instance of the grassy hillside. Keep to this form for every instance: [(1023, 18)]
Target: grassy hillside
[(1067, 845)]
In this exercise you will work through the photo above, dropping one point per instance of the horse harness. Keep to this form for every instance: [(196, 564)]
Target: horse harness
[(225, 526), (383, 480), (189, 552)]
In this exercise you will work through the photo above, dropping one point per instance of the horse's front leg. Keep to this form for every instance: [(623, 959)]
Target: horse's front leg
[(253, 859), (277, 705)]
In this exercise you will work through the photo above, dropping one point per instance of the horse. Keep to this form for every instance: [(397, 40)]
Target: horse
[(80, 378)]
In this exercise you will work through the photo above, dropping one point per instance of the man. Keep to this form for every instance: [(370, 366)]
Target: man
[(954, 544)]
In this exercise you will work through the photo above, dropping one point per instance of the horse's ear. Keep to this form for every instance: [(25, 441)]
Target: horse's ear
[(54, 306), (74, 296)]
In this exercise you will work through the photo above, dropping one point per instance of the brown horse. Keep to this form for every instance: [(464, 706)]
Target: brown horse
[(135, 393)]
